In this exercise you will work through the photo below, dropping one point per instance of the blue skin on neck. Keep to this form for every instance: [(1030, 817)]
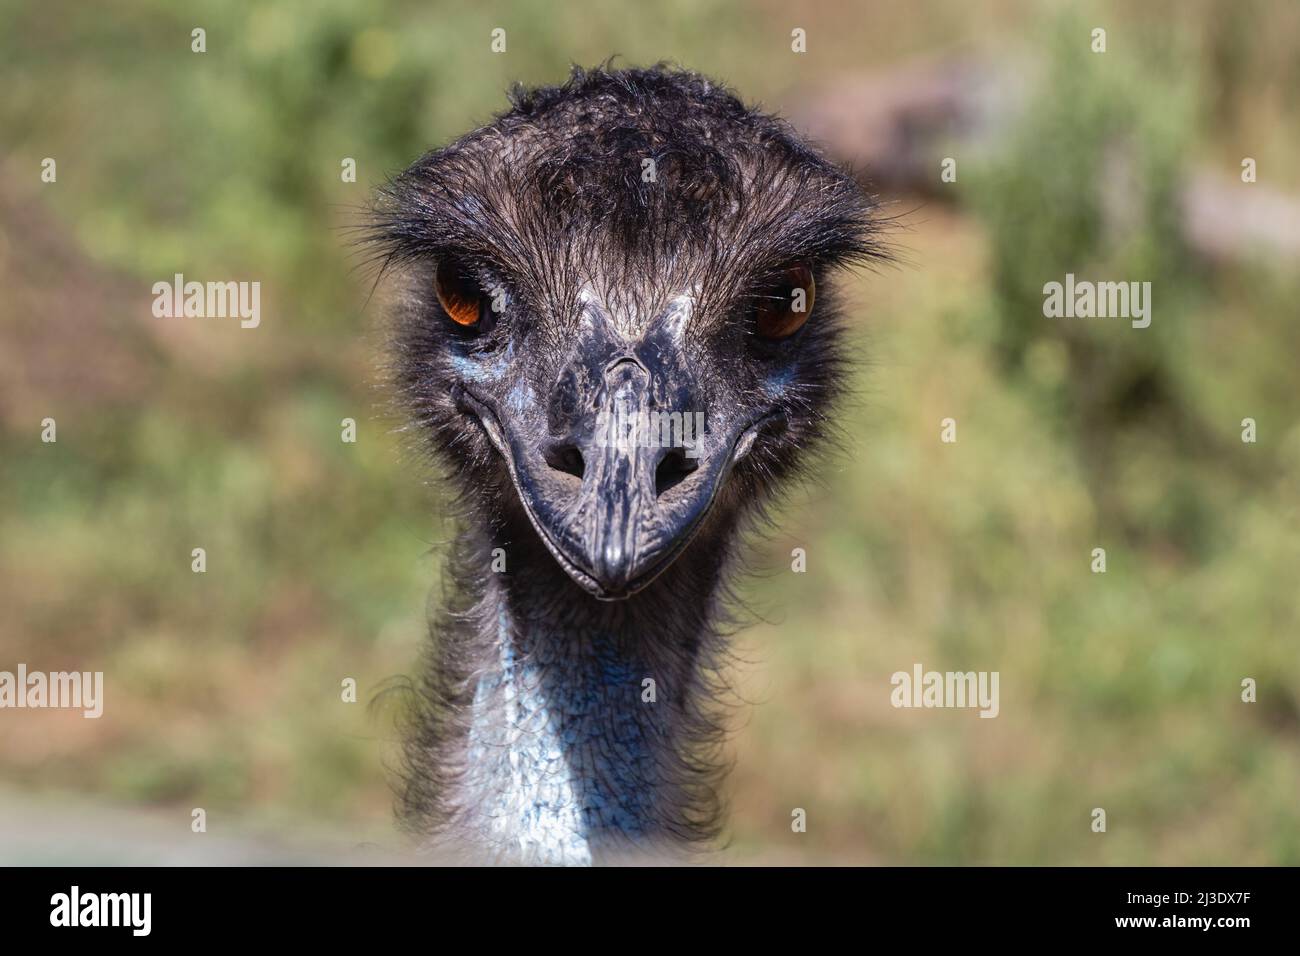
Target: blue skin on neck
[(559, 763)]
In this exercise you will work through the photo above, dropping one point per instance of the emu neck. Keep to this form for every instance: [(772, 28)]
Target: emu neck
[(583, 725)]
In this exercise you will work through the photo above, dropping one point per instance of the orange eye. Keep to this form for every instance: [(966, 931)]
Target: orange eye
[(458, 293), (784, 310)]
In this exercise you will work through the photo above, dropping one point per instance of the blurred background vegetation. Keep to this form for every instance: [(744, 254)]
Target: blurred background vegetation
[(1119, 690)]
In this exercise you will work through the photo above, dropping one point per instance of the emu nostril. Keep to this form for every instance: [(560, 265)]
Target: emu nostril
[(566, 458), (672, 470)]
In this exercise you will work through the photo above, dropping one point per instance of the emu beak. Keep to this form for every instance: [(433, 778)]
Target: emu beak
[(620, 493)]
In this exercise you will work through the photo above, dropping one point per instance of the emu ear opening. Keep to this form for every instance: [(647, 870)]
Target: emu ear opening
[(458, 293), (786, 307)]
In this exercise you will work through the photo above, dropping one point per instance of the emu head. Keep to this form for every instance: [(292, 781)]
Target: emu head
[(620, 320)]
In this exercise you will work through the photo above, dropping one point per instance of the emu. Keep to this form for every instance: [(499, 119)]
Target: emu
[(631, 242)]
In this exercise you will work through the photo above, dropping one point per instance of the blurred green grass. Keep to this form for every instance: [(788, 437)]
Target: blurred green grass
[(1119, 691)]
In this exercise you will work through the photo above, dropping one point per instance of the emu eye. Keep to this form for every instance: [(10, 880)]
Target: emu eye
[(459, 294), (786, 307)]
